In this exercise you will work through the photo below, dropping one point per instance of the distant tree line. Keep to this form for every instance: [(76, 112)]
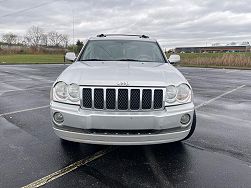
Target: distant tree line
[(36, 37)]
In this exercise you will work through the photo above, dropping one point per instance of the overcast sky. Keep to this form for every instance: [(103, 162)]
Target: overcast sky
[(174, 23)]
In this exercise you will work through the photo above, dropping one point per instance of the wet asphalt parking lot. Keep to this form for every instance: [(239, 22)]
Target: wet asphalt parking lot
[(217, 155)]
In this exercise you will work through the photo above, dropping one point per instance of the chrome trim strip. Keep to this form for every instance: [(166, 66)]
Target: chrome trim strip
[(164, 97), (81, 96)]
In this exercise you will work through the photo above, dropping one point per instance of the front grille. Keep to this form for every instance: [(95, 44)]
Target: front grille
[(122, 99)]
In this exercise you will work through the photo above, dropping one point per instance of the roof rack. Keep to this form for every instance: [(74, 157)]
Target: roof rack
[(140, 36)]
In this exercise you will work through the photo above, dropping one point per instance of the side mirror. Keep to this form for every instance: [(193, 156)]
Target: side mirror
[(70, 56), (174, 59)]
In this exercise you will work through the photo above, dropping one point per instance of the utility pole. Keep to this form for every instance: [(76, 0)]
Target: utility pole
[(73, 30)]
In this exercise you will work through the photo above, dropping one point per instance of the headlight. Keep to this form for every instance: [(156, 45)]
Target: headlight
[(61, 90), (176, 95), (183, 93), (73, 91), (171, 92)]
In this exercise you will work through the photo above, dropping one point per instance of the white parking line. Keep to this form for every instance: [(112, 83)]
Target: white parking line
[(8, 86), (245, 122), (67, 169), (25, 110), (33, 77), (230, 71), (214, 99), (11, 90)]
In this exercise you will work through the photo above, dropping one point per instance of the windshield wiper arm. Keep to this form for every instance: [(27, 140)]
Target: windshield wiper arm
[(93, 59), (110, 60), (128, 60)]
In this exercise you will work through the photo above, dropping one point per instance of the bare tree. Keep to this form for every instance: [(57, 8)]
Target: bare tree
[(55, 38), (9, 38), (34, 35), (44, 39), (19, 39)]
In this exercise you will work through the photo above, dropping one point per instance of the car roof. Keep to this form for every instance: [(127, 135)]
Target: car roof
[(122, 37)]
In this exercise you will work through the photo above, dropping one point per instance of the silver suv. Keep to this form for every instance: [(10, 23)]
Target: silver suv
[(122, 90)]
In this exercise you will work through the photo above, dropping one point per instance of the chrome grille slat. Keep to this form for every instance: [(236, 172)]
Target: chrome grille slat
[(92, 98), (140, 100), (129, 98), (123, 98), (104, 99), (116, 98), (152, 102)]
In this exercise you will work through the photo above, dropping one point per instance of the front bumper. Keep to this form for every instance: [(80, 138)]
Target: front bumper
[(77, 121)]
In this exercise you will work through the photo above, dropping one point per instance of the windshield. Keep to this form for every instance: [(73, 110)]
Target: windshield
[(122, 50)]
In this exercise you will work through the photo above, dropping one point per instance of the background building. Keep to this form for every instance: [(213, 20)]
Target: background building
[(214, 49)]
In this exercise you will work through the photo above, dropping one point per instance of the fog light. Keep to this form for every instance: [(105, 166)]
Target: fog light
[(58, 117), (185, 119)]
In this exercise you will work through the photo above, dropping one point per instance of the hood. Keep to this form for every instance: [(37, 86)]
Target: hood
[(110, 73)]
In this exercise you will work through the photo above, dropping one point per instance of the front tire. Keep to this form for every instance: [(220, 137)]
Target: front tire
[(192, 127)]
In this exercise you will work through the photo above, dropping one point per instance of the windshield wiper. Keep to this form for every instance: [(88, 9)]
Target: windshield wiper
[(112, 60), (128, 60), (93, 60)]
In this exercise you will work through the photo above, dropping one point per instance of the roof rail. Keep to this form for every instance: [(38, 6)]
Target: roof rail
[(140, 36)]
